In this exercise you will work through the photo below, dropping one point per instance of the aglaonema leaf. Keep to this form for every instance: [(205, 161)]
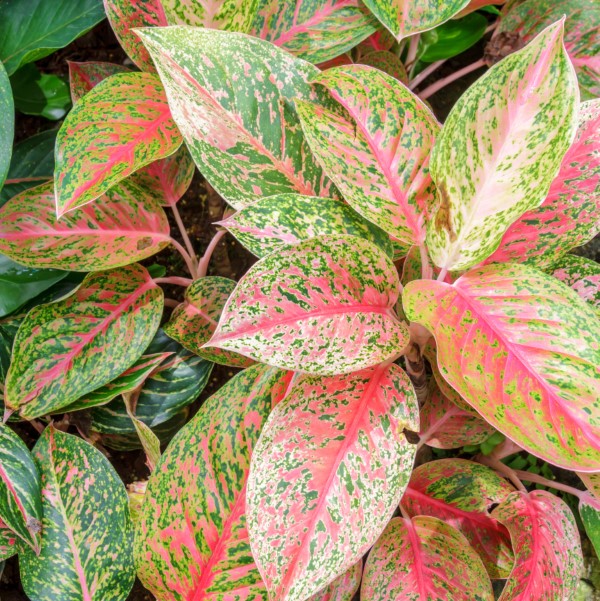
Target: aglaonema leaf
[(592, 483), (548, 559), (343, 588), (522, 349), (230, 15), (329, 468), (121, 227), (87, 535), (64, 350), (8, 542), (122, 124), (7, 126), (589, 510), (248, 144), (85, 76), (375, 146), (321, 306), (461, 493), (424, 558), (515, 123), (192, 541), (582, 275)]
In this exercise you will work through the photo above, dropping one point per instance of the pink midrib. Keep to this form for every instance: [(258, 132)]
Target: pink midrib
[(93, 233), (11, 489), (415, 544)]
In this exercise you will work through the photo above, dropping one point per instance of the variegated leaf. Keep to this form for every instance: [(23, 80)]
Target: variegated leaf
[(66, 349), (582, 275), (589, 510), (20, 491), (321, 306), (150, 442), (545, 538), (407, 17), (522, 349), (7, 127), (344, 587), (315, 30), (87, 535), (515, 123), (121, 227), (8, 542), (426, 559), (85, 76), (194, 321), (230, 15), (246, 140), (375, 145), (461, 493), (192, 541), (386, 61), (270, 223), (569, 215), (122, 124), (592, 483), (329, 468)]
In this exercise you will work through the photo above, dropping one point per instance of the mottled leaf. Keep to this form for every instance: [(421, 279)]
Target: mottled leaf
[(582, 275), (230, 15), (329, 468), (343, 588), (85, 76), (423, 558), (386, 61), (8, 331), (87, 535), (321, 306), (150, 442), (592, 483), (8, 542), (515, 123), (66, 349), (589, 510), (7, 125)]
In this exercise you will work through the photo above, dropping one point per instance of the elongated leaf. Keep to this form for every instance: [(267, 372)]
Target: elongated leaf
[(569, 215), (424, 559), (544, 535), (7, 126), (87, 536), (231, 15), (461, 493), (66, 349), (122, 124), (583, 276), (84, 76), (344, 587), (407, 17), (246, 142), (121, 227), (8, 542), (150, 442), (376, 148), (193, 322), (192, 540), (20, 489), (315, 30), (589, 510), (321, 306), (515, 123), (331, 465), (268, 224)]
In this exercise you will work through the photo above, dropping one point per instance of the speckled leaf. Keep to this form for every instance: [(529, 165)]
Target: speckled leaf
[(331, 464), (20, 489), (582, 275), (85, 76), (230, 15), (407, 17), (192, 541), (375, 146), (194, 321), (462, 493), (149, 440), (7, 125), (122, 124), (522, 349), (592, 483), (545, 538), (515, 123), (589, 510), (8, 330), (315, 30), (268, 224), (321, 306), (121, 227), (386, 61), (246, 140), (87, 536), (66, 349), (8, 542), (423, 558), (569, 215), (344, 587)]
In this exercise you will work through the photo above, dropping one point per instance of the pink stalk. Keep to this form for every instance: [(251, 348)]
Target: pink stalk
[(442, 276), (183, 232), (421, 77), (442, 83), (426, 270), (175, 281), (502, 469), (412, 49), (171, 302), (191, 265), (205, 260), (528, 477)]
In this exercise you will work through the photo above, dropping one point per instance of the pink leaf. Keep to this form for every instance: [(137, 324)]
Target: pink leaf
[(84, 76), (583, 276)]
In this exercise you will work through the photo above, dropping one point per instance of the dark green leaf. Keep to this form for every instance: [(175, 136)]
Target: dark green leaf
[(7, 123)]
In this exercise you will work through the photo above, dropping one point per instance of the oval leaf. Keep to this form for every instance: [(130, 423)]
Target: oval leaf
[(583, 276)]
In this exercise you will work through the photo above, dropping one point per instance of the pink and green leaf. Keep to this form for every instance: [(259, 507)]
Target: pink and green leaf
[(462, 493), (426, 559), (548, 559), (84, 76), (522, 349), (321, 306), (386, 61), (229, 15), (582, 275), (8, 542), (592, 483), (589, 510), (150, 442), (514, 125), (344, 587), (375, 146), (66, 349), (121, 125), (329, 468)]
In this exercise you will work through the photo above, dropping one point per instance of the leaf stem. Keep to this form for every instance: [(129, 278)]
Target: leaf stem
[(442, 83), (174, 280), (426, 270), (421, 77), (503, 469), (529, 477), (171, 302), (205, 260), (442, 275), (191, 265), (186, 239), (413, 46)]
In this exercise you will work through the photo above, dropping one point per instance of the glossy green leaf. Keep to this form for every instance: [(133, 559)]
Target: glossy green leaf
[(589, 510), (66, 349), (230, 15), (246, 141), (515, 123), (522, 349), (7, 125), (8, 543), (122, 124), (322, 306), (192, 541), (582, 275), (85, 76), (375, 146), (8, 331), (87, 536)]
